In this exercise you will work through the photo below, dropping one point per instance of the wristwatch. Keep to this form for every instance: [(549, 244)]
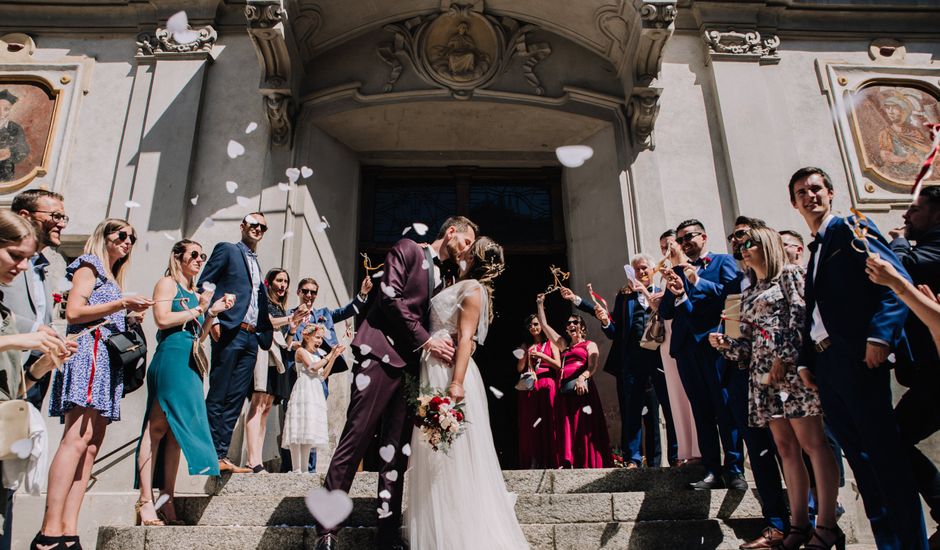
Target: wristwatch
[(29, 375)]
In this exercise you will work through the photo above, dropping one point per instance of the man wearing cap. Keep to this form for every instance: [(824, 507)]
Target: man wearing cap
[(13, 146)]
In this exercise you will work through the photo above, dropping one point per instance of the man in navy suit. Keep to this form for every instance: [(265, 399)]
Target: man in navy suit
[(695, 296), (852, 328), (233, 269)]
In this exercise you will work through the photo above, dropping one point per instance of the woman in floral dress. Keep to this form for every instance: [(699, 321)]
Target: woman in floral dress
[(782, 393)]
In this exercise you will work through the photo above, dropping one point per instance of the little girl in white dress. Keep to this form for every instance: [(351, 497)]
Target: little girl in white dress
[(305, 425)]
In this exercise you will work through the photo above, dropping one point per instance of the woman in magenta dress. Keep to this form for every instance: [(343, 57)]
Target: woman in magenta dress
[(581, 438), (541, 362)]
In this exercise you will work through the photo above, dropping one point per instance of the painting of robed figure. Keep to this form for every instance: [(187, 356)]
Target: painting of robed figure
[(890, 127), (27, 116)]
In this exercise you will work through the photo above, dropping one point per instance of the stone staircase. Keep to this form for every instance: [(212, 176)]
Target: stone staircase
[(558, 509)]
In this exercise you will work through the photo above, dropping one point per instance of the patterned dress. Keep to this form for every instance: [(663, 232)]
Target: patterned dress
[(772, 315), (82, 382)]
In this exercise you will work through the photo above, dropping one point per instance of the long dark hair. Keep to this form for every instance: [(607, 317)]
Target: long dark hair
[(268, 283), (529, 339), (581, 324)]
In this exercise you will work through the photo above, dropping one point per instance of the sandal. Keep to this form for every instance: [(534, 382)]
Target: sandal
[(824, 538), (139, 520), (43, 542), (76, 545), (796, 538), (161, 513)]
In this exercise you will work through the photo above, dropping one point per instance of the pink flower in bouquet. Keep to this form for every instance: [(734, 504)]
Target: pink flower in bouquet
[(440, 420)]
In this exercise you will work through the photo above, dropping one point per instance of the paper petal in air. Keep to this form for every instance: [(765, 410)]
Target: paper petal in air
[(384, 512), (161, 500), (388, 290), (244, 202), (283, 186), (385, 494), (287, 235), (208, 287), (392, 476), (587, 409), (385, 358), (405, 232), (378, 274), (293, 174), (765, 451), (573, 156), (498, 394), (250, 219), (169, 236), (194, 200), (235, 149), (329, 508), (784, 396), (537, 422), (252, 126), (420, 228), (519, 353), (387, 452), (644, 411), (406, 450), (362, 381), (366, 363), (306, 172), (231, 186), (365, 349), (425, 264), (132, 204), (390, 341)]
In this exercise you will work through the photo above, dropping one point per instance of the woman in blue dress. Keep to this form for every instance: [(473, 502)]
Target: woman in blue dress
[(176, 406), (83, 394)]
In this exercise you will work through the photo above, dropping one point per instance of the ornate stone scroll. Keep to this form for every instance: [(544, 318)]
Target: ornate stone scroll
[(266, 28), (732, 45)]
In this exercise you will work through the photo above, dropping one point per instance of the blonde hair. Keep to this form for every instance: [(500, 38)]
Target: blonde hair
[(97, 245), (488, 264), (174, 268), (14, 228), (771, 246)]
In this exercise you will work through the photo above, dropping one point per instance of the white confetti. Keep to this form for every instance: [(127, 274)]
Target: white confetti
[(323, 225), (366, 363), (231, 186), (644, 411), (385, 358), (194, 200), (249, 219), (519, 353), (892, 358), (204, 470), (387, 452), (235, 149), (292, 174), (425, 265), (383, 511), (132, 204), (405, 232), (392, 476), (244, 202), (22, 448), (385, 494), (537, 421), (252, 126), (496, 393), (169, 236), (420, 228), (306, 172), (208, 287), (161, 500), (287, 235), (178, 27), (406, 450), (573, 156), (208, 222), (388, 290), (362, 381), (365, 349), (285, 187), (784, 396), (463, 265), (587, 409), (390, 341), (765, 451), (378, 274), (329, 508)]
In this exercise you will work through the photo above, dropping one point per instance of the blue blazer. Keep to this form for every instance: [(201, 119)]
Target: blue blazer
[(700, 313), (328, 318), (227, 268), (852, 307), (627, 322)]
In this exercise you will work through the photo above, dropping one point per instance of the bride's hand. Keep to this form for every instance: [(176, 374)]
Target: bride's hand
[(455, 390)]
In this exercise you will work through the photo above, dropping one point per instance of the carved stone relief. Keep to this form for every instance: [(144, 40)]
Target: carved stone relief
[(642, 109), (266, 29), (306, 22), (461, 49), (652, 21), (732, 45), (164, 42)]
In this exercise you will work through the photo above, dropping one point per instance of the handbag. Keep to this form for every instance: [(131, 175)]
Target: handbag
[(526, 381), (569, 386), (200, 359), (14, 423), (127, 351), (654, 333)]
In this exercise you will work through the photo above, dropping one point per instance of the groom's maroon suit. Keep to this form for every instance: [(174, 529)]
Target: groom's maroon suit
[(402, 319)]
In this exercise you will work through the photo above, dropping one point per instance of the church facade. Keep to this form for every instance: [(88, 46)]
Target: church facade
[(350, 124)]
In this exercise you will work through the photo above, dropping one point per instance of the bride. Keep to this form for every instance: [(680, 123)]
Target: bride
[(458, 499)]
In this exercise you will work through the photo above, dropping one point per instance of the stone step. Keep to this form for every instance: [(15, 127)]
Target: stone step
[(537, 508), (699, 534), (612, 480)]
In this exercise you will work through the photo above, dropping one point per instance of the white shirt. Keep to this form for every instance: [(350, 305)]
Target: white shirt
[(37, 288), (435, 269), (817, 330), (251, 316)]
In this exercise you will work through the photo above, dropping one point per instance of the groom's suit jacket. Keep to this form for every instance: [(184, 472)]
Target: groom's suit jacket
[(400, 311)]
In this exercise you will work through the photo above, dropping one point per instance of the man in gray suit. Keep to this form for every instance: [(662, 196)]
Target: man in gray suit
[(29, 296)]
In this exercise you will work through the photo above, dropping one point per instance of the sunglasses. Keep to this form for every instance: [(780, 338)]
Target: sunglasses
[(193, 255), (57, 217), (749, 244), (308, 292), (687, 238), (124, 235), (264, 228), (572, 322), (737, 235)]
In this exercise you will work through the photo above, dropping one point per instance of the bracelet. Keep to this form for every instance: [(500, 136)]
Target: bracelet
[(29, 375), (458, 384)]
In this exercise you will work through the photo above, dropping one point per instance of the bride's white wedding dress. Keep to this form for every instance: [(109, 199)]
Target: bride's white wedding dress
[(458, 499)]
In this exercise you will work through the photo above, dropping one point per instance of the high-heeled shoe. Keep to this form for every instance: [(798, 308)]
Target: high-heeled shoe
[(161, 513), (145, 522), (43, 542), (825, 538), (796, 538), (73, 539)]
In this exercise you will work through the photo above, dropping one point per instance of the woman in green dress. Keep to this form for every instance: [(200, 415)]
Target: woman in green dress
[(177, 410)]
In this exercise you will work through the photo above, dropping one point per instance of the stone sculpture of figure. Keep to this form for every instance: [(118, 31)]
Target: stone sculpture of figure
[(13, 146), (902, 146), (460, 59)]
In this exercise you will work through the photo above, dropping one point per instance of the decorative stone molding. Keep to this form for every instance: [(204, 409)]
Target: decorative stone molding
[(461, 49), (306, 22), (658, 14), (642, 110), (163, 42), (746, 46), (887, 50), (16, 47), (266, 29), (636, 32)]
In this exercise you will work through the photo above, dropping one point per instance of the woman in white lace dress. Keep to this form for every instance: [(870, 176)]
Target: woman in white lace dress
[(458, 499)]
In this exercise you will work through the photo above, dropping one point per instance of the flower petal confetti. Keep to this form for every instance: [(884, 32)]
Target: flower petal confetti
[(161, 500), (285, 187), (405, 232), (329, 508), (385, 494), (378, 274), (132, 204), (390, 341), (366, 363), (208, 287), (387, 452), (425, 265), (231, 186), (784, 396), (365, 349), (385, 358), (644, 411), (252, 126), (235, 149), (496, 393), (388, 290), (764, 452)]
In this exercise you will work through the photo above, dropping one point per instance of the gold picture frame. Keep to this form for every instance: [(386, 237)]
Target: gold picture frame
[(29, 116)]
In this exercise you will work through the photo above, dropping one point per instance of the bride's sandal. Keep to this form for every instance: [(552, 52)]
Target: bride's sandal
[(167, 513), (43, 542), (824, 538), (139, 520)]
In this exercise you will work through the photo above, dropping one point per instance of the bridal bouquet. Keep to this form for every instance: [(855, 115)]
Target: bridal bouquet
[(440, 418)]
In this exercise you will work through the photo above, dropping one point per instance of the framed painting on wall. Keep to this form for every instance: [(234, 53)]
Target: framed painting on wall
[(28, 108)]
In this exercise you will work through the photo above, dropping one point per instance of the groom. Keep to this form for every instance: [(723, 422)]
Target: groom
[(387, 347)]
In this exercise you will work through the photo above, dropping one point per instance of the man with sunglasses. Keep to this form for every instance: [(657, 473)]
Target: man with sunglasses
[(233, 268), (696, 289)]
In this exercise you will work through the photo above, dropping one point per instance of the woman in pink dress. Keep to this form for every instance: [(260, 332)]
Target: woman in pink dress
[(581, 438), (540, 363)]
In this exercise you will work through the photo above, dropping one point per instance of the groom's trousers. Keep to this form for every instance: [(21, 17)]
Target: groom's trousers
[(381, 406)]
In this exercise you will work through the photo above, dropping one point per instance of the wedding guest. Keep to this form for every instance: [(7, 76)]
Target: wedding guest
[(541, 360), (581, 439), (176, 411), (18, 245), (306, 422), (779, 395), (918, 411), (687, 451), (84, 395), (239, 331), (793, 245), (696, 288), (852, 326), (29, 296), (920, 299), (271, 380)]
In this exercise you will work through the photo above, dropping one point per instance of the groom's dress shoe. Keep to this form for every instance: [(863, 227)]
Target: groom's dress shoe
[(327, 542), (710, 482)]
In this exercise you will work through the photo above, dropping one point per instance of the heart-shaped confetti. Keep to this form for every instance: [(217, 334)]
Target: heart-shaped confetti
[(392, 476), (784, 396), (235, 149), (285, 187), (362, 381), (645, 411), (383, 511), (385, 358), (587, 409), (287, 235), (384, 494), (306, 172), (244, 202), (518, 353), (365, 349), (406, 450), (329, 508), (208, 287), (231, 186), (387, 452), (573, 156), (388, 290), (498, 394), (366, 363), (420, 228), (252, 126), (292, 174), (132, 204), (22, 448), (425, 265)]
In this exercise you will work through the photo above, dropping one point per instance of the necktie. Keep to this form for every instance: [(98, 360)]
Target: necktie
[(814, 246), (699, 262)]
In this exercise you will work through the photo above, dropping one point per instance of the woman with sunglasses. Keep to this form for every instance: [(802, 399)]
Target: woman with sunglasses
[(782, 394), (537, 405), (176, 410), (581, 438), (83, 393)]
